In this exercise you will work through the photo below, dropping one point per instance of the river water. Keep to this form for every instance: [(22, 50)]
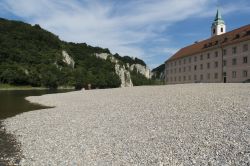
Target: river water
[(13, 102)]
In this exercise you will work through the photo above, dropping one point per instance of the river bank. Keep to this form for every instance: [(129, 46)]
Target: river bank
[(12, 102), (10, 153), (13, 87), (195, 124)]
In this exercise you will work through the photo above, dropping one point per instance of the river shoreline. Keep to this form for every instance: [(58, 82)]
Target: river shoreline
[(12, 103), (10, 153), (34, 88)]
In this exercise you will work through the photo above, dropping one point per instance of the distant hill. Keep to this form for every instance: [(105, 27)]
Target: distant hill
[(158, 73), (30, 55)]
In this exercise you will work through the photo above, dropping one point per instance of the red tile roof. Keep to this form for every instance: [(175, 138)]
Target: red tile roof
[(235, 36)]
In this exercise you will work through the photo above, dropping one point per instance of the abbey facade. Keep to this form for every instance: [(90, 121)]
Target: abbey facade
[(225, 57)]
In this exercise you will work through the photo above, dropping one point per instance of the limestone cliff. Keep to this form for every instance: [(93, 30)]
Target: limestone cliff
[(124, 76), (67, 59), (144, 70), (123, 71)]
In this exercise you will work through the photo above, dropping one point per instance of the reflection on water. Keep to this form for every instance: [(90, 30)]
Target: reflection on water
[(13, 102)]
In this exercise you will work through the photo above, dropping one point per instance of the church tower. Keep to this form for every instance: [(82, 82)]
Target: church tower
[(218, 26)]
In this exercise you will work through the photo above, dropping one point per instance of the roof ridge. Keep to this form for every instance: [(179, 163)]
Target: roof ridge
[(199, 47)]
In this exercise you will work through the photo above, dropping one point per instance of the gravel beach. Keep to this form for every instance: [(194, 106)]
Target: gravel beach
[(192, 124)]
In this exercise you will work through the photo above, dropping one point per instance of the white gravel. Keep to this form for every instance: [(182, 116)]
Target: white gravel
[(193, 124)]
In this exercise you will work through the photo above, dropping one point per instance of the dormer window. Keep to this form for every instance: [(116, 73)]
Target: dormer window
[(237, 36)]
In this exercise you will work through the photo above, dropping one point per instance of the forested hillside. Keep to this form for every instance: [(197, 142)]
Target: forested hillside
[(158, 74), (30, 55)]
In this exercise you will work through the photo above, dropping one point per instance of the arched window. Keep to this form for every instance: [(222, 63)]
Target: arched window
[(221, 29), (214, 31)]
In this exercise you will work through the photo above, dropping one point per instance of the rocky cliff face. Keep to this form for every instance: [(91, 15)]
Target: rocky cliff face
[(144, 70), (124, 76), (67, 59), (124, 71)]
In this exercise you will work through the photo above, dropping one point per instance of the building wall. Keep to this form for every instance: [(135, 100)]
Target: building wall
[(183, 70), (240, 65)]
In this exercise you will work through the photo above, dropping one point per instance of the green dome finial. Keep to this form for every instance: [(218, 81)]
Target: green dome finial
[(218, 18)]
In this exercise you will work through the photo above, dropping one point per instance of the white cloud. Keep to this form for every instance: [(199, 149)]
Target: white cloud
[(123, 27)]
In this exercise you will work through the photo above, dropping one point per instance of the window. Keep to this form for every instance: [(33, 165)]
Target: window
[(233, 74), (175, 63), (179, 62), (195, 77), (214, 31), (208, 76), (195, 58), (224, 63), (189, 68), (184, 78), (171, 71), (216, 64), (180, 78), (234, 61), (175, 70), (208, 56), (245, 47), (201, 66), (208, 65), (221, 30), (201, 57), (224, 52), (195, 67), (244, 73), (245, 59), (190, 59), (201, 77), (216, 54), (215, 75), (234, 50), (179, 70)]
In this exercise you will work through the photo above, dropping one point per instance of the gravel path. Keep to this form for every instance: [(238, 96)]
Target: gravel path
[(195, 124)]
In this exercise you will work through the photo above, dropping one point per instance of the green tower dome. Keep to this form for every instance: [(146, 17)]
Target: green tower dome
[(218, 19)]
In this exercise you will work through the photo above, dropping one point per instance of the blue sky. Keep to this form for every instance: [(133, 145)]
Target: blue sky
[(152, 30)]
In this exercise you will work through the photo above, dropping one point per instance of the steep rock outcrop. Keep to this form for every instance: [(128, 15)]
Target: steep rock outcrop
[(124, 76), (123, 71), (67, 59), (120, 70), (144, 70)]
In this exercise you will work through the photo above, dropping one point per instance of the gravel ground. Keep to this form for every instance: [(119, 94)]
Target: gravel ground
[(193, 124)]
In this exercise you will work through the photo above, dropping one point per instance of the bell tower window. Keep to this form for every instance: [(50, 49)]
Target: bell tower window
[(221, 29), (214, 31)]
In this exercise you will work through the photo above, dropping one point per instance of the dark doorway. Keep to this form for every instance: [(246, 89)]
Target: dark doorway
[(225, 77)]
